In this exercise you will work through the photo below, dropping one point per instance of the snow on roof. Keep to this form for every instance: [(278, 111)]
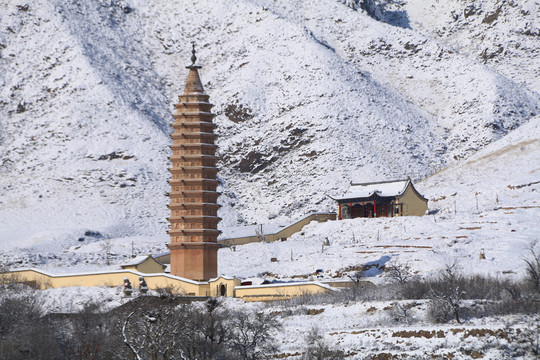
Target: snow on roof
[(146, 275), (291, 283), (383, 188), (224, 277), (136, 260)]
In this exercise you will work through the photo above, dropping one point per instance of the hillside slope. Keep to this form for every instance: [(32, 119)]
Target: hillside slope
[(487, 204), (309, 96)]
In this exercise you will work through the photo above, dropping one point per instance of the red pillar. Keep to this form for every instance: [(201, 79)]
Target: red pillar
[(339, 211)]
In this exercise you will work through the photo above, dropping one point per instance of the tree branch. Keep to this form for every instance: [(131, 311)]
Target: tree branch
[(126, 341)]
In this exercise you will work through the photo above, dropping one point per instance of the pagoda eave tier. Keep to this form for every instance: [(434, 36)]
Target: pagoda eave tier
[(194, 232), (194, 135), (194, 217), (180, 168), (194, 222), (197, 125), (193, 146), (193, 245), (193, 166), (193, 97), (190, 121), (193, 181), (194, 104), (205, 197), (188, 116), (193, 205), (193, 112), (203, 171), (193, 156), (194, 192), (208, 173)]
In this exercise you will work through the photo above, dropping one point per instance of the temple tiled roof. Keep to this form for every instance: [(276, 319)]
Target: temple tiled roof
[(383, 189)]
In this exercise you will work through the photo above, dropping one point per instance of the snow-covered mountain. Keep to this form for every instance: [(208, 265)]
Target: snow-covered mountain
[(309, 96), (486, 204)]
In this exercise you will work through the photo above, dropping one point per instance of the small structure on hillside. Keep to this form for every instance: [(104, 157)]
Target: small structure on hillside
[(145, 264), (223, 286), (381, 199)]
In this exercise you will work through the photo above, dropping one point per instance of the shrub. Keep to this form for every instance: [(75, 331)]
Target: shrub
[(318, 348), (532, 268), (439, 311)]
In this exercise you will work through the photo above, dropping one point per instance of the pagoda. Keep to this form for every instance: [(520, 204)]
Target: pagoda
[(193, 196)]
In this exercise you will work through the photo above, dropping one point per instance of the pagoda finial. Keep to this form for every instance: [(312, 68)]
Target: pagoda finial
[(193, 57)]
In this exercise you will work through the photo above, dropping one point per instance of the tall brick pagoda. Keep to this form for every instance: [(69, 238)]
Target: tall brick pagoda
[(193, 183)]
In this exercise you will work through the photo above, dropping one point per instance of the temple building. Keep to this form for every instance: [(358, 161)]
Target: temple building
[(381, 199), (193, 196)]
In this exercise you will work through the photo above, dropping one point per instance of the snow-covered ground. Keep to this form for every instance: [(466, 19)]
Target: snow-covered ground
[(309, 96), (85, 130), (365, 330), (490, 201)]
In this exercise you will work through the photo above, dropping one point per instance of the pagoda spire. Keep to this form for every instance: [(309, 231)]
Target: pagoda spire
[(193, 196), (193, 82), (193, 55)]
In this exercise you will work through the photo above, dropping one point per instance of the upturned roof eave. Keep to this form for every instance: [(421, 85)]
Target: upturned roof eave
[(368, 197)]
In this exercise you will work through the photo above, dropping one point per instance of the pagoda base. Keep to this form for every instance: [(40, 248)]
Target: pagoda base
[(195, 261)]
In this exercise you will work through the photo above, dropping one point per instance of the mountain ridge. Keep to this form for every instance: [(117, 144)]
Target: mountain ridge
[(304, 105)]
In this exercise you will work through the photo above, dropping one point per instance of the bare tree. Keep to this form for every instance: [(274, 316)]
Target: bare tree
[(106, 247), (511, 288), (318, 348), (90, 331), (398, 272), (252, 334), (212, 329), (20, 308), (532, 267), (170, 291), (127, 341), (447, 295), (24, 334), (149, 328), (401, 312), (357, 277), (152, 332)]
